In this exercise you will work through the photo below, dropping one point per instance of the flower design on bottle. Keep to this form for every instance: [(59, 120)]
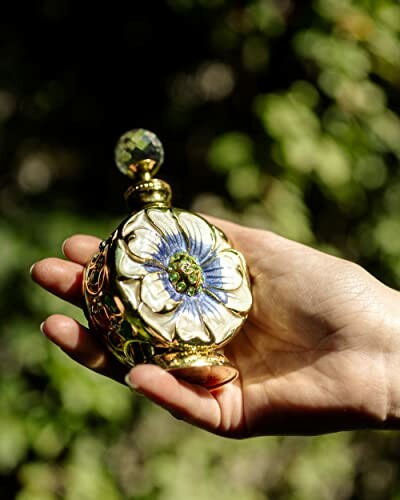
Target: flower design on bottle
[(166, 287), (181, 275)]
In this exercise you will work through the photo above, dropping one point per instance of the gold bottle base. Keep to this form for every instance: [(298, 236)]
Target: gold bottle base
[(209, 369)]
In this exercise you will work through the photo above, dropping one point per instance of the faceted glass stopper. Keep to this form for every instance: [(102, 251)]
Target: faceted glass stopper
[(139, 153)]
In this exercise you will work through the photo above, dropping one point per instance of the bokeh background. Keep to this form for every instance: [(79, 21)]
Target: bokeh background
[(276, 114)]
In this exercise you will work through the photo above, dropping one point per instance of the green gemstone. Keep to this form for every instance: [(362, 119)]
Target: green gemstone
[(191, 291), (192, 278), (187, 268), (174, 277), (181, 286), (137, 146)]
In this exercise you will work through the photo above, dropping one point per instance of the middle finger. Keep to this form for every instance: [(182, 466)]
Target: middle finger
[(60, 277)]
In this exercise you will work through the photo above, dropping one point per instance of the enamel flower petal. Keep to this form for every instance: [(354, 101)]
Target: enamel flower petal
[(155, 295), (145, 243), (163, 324), (190, 325), (217, 314), (238, 300), (224, 271), (199, 233), (167, 225), (125, 265)]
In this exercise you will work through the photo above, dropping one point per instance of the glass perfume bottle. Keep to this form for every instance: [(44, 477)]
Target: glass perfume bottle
[(166, 287)]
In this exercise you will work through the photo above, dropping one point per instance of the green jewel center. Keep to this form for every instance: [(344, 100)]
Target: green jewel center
[(185, 273)]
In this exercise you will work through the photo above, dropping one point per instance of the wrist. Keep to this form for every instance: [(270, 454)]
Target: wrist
[(390, 353), (392, 418), (374, 376)]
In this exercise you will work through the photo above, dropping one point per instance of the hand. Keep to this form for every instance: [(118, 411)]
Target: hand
[(320, 351)]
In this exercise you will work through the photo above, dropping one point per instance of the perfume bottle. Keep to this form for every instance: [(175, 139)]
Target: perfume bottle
[(166, 287)]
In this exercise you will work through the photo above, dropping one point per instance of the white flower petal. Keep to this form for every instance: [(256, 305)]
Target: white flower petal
[(165, 221), (222, 322), (224, 271), (221, 240), (145, 244), (239, 300), (130, 290), (163, 324), (189, 325), (199, 233), (144, 241), (137, 220), (125, 265), (155, 295)]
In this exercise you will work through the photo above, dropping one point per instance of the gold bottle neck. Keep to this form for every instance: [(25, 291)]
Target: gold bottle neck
[(148, 193)]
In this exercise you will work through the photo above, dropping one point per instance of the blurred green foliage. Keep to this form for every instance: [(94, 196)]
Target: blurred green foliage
[(282, 115)]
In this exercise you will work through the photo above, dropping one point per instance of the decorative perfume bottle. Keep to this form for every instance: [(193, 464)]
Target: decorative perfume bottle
[(166, 287)]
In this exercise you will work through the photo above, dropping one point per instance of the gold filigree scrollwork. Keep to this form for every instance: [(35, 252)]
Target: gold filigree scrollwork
[(106, 313)]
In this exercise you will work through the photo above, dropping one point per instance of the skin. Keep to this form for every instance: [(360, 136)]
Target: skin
[(319, 352)]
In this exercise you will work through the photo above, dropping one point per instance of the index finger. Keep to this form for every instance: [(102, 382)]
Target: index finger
[(80, 248)]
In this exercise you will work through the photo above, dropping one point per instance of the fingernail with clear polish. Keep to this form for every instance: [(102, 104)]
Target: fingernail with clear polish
[(63, 245), (42, 327), (129, 383)]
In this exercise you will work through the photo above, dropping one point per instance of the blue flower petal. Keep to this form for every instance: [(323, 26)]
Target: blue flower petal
[(207, 304), (153, 267), (220, 321), (172, 238), (171, 289), (212, 272), (199, 234), (224, 271), (220, 294)]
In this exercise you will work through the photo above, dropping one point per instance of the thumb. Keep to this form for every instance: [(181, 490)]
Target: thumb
[(189, 402)]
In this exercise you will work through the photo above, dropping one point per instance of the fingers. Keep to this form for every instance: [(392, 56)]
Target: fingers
[(80, 248), (81, 345), (60, 277), (192, 403), (63, 278)]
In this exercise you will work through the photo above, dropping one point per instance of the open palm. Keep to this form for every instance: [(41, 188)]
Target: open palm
[(315, 355)]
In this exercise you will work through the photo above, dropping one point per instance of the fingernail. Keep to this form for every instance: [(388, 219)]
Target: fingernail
[(63, 245), (31, 268), (42, 326), (129, 383)]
